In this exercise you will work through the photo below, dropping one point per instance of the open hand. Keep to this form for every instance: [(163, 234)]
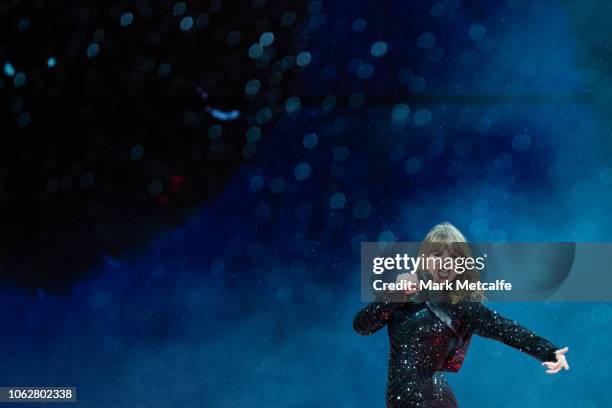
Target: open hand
[(555, 367)]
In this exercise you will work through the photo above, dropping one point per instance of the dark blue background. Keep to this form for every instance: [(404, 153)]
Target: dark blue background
[(250, 301)]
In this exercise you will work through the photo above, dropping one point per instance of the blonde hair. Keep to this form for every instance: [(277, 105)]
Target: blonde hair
[(446, 236)]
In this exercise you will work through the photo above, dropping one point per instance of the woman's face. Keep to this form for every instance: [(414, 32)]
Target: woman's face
[(437, 265)]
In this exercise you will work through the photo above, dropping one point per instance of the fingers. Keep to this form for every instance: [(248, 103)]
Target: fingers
[(552, 368), (563, 362), (555, 367), (561, 357)]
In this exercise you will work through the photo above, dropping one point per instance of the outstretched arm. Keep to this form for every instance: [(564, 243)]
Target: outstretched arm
[(488, 323)]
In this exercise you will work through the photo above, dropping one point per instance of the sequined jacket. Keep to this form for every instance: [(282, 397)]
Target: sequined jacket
[(422, 345)]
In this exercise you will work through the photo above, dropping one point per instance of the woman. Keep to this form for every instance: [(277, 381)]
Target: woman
[(429, 335)]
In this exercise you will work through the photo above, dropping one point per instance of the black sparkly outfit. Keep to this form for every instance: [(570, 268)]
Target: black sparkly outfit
[(421, 343)]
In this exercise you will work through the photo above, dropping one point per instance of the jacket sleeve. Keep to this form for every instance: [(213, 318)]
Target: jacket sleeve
[(488, 323), (374, 316)]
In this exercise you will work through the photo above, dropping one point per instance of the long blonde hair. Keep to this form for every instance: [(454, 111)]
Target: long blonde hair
[(446, 235)]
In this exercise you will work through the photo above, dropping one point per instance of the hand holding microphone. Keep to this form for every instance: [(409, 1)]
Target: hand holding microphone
[(410, 281)]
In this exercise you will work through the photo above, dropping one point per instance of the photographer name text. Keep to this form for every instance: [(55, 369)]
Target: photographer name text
[(406, 285)]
